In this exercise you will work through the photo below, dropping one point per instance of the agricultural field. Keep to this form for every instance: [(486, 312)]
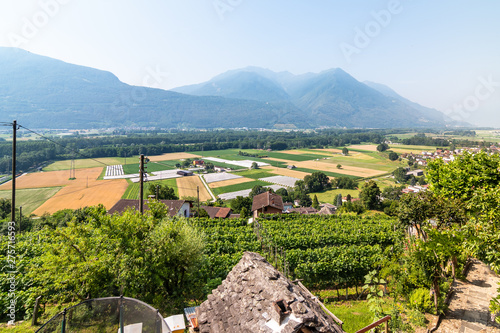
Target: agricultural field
[(172, 156), (187, 188), (83, 191), (133, 189), (230, 182), (32, 198), (363, 161), (84, 163), (331, 195), (239, 187)]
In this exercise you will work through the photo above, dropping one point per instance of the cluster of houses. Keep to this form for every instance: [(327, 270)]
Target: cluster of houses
[(446, 155), (264, 203)]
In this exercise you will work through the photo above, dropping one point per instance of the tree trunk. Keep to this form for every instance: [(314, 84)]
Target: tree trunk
[(435, 283), (346, 290), (453, 265)]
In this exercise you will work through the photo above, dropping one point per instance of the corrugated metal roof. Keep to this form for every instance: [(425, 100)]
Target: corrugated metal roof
[(190, 314)]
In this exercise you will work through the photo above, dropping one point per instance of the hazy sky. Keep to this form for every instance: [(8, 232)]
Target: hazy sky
[(442, 54)]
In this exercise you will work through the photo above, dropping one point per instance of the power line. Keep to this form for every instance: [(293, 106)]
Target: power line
[(57, 143)]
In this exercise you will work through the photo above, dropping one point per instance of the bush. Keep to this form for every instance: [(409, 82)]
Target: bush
[(420, 299)]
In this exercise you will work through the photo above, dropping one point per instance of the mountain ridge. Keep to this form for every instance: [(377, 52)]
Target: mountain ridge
[(42, 92)]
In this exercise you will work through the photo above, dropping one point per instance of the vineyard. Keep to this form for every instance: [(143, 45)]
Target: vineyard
[(327, 252), (226, 240)]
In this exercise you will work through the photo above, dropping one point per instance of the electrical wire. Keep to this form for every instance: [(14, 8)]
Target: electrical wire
[(57, 143)]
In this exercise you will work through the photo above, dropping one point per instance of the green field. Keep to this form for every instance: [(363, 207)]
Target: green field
[(330, 196), (239, 187), (133, 189), (31, 199), (231, 154), (328, 173), (255, 174), (84, 163), (150, 167), (355, 314)]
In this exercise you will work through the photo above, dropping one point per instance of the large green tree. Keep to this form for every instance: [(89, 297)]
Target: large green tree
[(370, 195), (163, 191), (150, 257), (463, 176)]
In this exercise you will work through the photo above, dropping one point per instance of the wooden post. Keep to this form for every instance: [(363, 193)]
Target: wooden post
[(13, 207), (141, 191), (35, 311)]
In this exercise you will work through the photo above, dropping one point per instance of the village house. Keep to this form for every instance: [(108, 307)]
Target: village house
[(219, 212), (255, 297), (303, 210), (267, 203)]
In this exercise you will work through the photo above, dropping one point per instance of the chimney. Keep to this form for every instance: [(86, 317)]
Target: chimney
[(282, 311)]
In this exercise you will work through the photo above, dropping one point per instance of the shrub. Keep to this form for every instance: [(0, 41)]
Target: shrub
[(420, 299)]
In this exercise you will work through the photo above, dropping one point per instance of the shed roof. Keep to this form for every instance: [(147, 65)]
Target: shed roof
[(251, 299), (217, 212), (267, 199)]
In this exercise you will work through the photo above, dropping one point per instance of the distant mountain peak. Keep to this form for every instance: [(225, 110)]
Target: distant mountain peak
[(42, 92)]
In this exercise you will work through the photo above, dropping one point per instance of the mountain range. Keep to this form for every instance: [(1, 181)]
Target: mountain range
[(42, 92)]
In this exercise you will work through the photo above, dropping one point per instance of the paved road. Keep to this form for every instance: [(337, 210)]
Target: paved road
[(468, 311)]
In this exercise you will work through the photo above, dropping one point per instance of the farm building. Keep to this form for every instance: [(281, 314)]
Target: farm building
[(303, 210), (267, 203), (255, 297), (175, 207), (416, 173), (184, 173), (219, 212)]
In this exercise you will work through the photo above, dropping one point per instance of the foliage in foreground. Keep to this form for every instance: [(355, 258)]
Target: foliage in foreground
[(150, 257)]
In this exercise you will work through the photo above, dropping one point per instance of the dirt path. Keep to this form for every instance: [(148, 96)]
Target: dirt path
[(468, 311)]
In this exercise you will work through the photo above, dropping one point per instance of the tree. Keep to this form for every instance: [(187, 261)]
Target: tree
[(256, 190), (164, 191), (283, 193), (154, 259), (304, 199), (254, 165), (338, 200), (317, 182), (382, 147), (238, 203), (400, 175), (244, 212), (392, 192), (393, 156), (315, 202), (370, 195), (461, 177), (345, 151), (344, 182), (339, 166)]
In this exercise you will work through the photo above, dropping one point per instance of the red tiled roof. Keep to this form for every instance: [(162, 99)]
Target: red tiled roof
[(223, 212), (217, 212), (267, 199)]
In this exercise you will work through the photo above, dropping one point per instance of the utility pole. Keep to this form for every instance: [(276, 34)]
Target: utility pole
[(20, 217), (141, 191), (13, 208)]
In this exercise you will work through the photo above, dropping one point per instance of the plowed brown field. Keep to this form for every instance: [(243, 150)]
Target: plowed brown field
[(172, 156), (83, 191), (187, 188)]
